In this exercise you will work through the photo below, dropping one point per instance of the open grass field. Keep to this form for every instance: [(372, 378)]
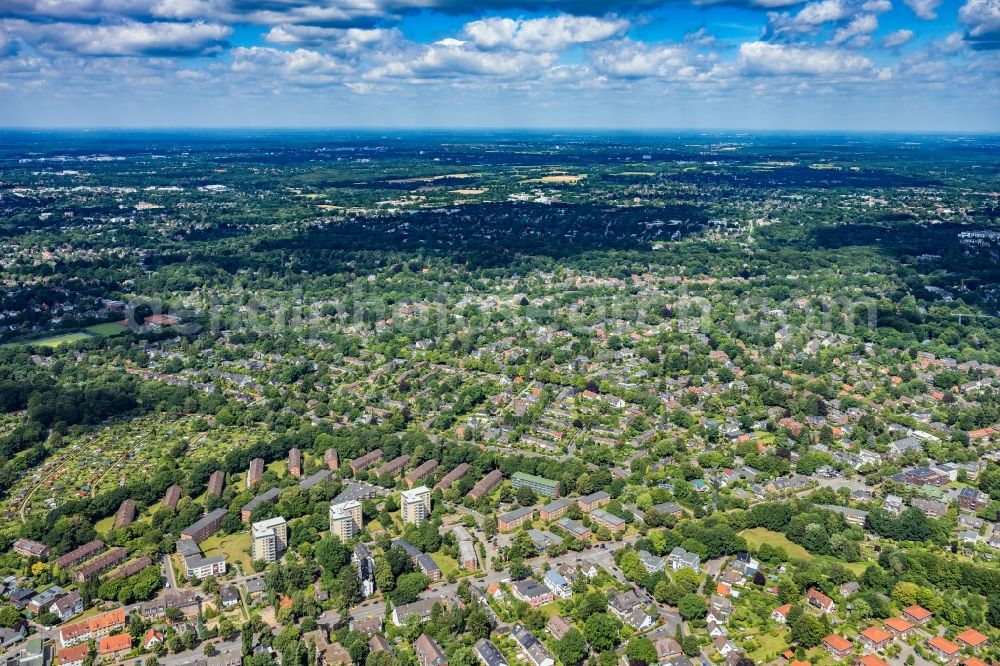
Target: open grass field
[(856, 568), (561, 178), (758, 535), (104, 525), (106, 330), (59, 340), (233, 546)]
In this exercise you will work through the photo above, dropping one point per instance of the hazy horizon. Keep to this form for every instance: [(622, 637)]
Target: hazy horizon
[(818, 65)]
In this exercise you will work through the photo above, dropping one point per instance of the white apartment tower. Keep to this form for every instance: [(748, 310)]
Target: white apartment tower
[(270, 539), (345, 519), (416, 505)]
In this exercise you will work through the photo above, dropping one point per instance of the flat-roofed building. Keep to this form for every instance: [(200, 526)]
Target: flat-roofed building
[(270, 539), (467, 555), (541, 485), (346, 519), (415, 505), (201, 567)]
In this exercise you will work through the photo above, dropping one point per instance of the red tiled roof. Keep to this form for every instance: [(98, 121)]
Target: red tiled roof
[(876, 634), (898, 624), (116, 643), (971, 637), (918, 612), (943, 644), (75, 653), (872, 660), (837, 642)]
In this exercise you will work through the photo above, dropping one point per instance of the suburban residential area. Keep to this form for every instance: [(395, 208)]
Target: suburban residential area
[(395, 403)]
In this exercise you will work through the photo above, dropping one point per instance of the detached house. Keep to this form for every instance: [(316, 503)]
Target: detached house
[(917, 614), (973, 639), (943, 648), (837, 645), (876, 639), (819, 600), (780, 614)]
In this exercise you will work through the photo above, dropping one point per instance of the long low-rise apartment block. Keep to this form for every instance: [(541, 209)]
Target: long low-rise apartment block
[(205, 526)]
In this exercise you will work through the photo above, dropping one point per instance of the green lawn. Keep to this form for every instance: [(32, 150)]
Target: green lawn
[(768, 646), (550, 609), (233, 546), (448, 565), (107, 330), (104, 525), (59, 340), (856, 568), (758, 535)]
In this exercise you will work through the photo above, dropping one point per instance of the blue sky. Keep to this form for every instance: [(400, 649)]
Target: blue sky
[(903, 65)]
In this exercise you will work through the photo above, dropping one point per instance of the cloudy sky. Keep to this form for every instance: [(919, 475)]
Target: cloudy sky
[(922, 65)]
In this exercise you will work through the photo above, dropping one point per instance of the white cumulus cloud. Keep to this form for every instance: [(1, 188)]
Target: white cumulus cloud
[(924, 9), (858, 31), (344, 40), (553, 33), (127, 38), (764, 58), (453, 58), (896, 39), (301, 66)]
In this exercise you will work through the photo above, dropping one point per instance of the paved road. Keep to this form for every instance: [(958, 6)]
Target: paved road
[(169, 572), (189, 656)]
